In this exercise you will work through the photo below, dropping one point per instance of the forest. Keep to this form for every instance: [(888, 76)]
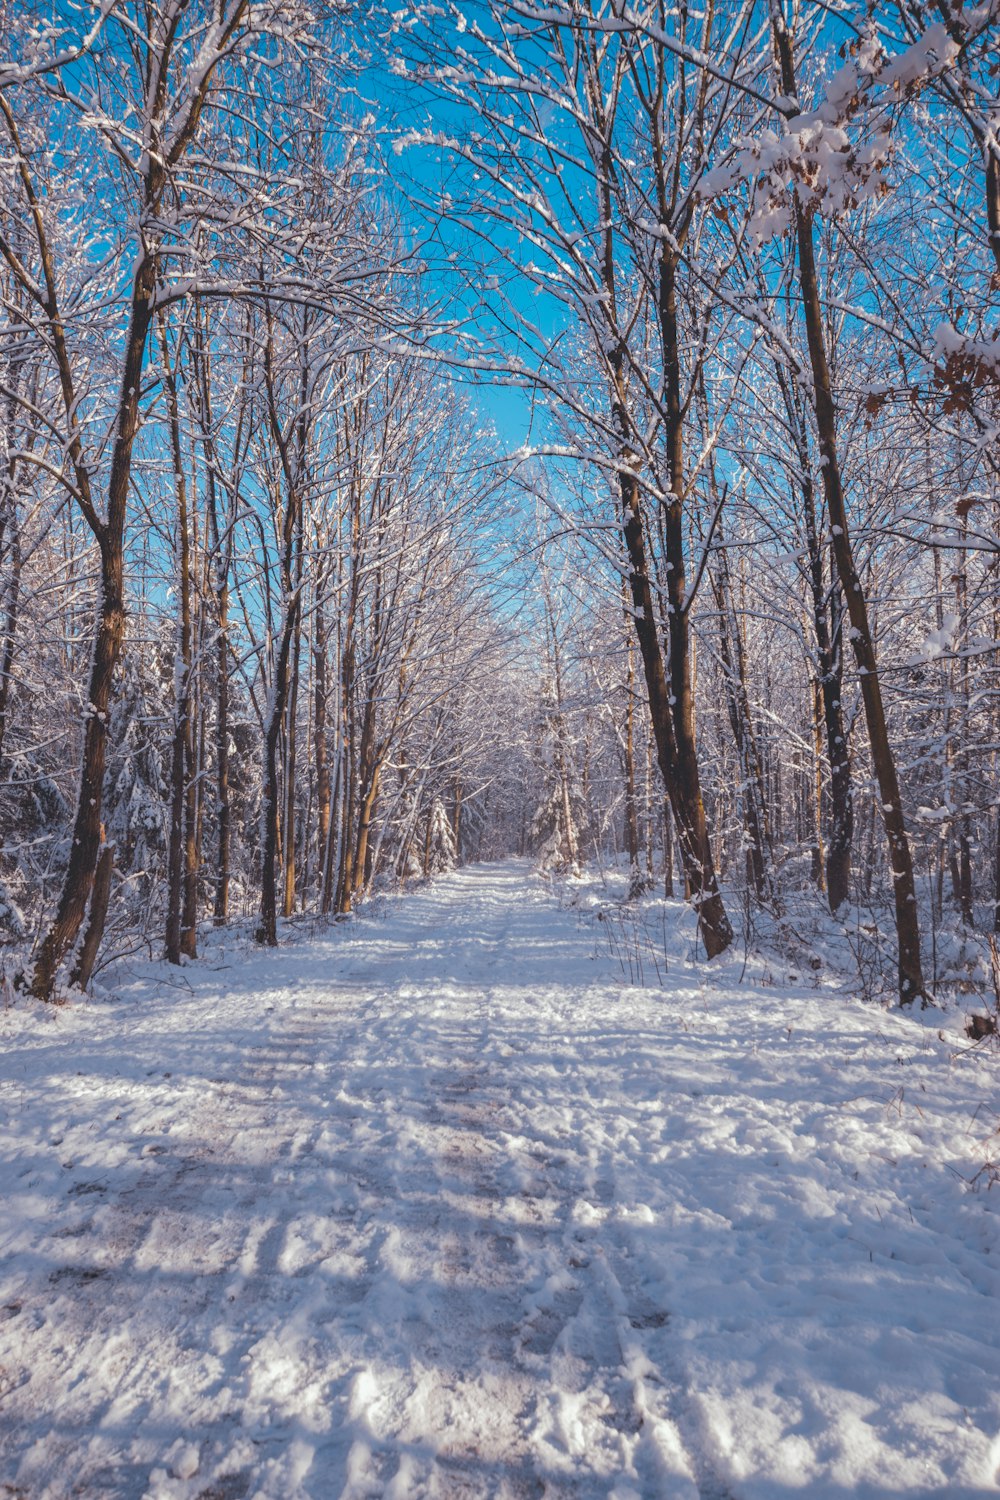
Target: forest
[(456, 431), (499, 749)]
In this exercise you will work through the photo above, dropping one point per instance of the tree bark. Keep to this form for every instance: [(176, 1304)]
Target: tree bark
[(223, 806), (10, 542), (320, 749), (456, 816), (362, 858), (100, 897), (10, 549), (180, 933), (219, 547), (671, 708), (754, 808), (290, 445), (291, 746), (267, 928), (817, 869), (827, 617), (345, 874), (910, 973), (631, 807), (109, 639), (830, 658), (689, 812)]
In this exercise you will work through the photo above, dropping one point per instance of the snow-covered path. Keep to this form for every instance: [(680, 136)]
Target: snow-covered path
[(435, 1207)]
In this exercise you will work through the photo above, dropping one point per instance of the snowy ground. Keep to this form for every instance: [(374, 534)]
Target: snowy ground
[(436, 1207)]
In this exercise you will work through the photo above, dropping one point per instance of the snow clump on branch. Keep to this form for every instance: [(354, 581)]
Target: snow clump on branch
[(813, 155)]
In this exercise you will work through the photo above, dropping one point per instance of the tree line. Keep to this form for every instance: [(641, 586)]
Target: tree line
[(250, 639), (752, 259), (282, 616)]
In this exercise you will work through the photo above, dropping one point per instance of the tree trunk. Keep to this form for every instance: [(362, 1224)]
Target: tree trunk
[(668, 850), (362, 859), (218, 545), (910, 973), (291, 738), (830, 661), (110, 637), (373, 846), (192, 839), (267, 929), (223, 808), (840, 829), (688, 810), (817, 869), (179, 937), (367, 782), (87, 824), (10, 551), (345, 876), (12, 598), (569, 844), (320, 749), (964, 891), (631, 808), (684, 785), (757, 836), (332, 853), (671, 708), (100, 896), (993, 199), (292, 452), (456, 816)]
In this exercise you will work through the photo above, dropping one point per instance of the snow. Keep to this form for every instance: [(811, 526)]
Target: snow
[(950, 344), (933, 53), (436, 1205), (938, 643)]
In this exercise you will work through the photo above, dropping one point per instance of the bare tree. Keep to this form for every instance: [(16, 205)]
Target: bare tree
[(172, 55)]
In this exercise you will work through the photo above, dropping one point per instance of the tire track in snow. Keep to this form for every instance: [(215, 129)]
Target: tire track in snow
[(453, 1418), (400, 1215), (557, 1401), (351, 1258), (592, 1319)]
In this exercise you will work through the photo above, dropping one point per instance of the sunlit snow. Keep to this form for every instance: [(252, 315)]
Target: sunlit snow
[(435, 1206)]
